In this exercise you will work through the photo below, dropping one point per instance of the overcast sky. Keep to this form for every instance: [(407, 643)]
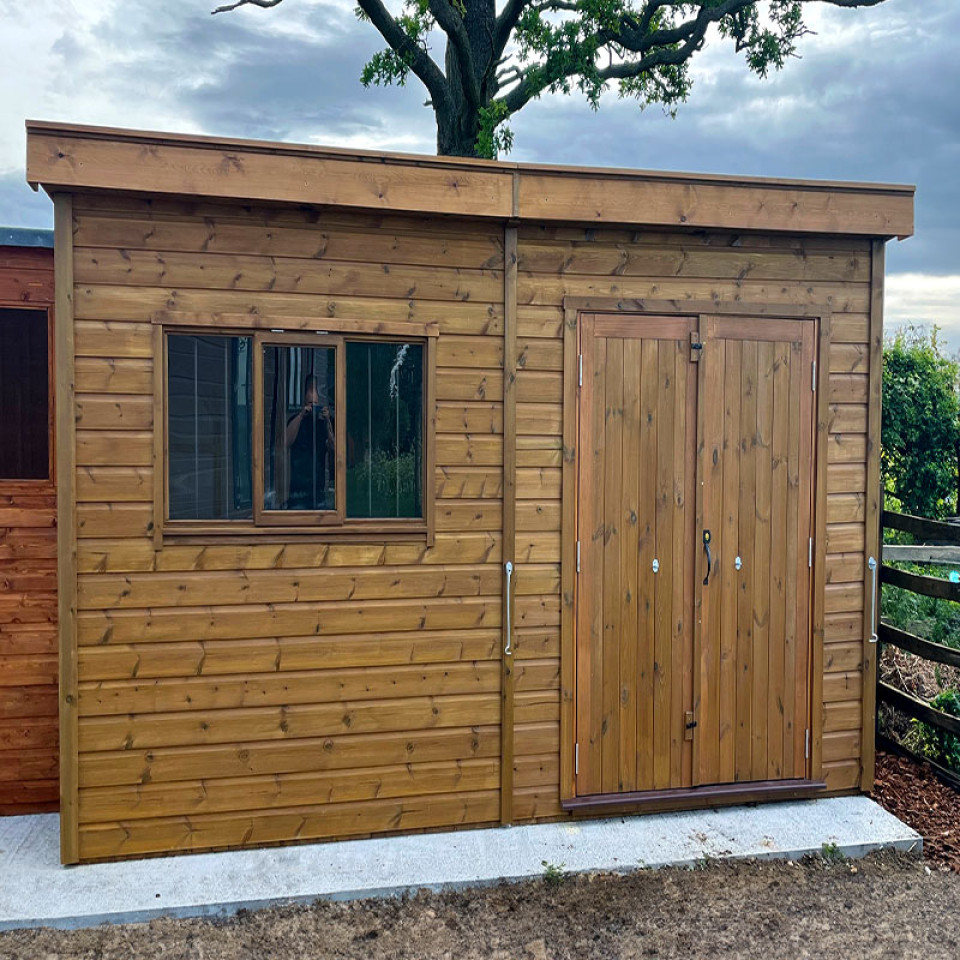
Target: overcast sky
[(875, 96)]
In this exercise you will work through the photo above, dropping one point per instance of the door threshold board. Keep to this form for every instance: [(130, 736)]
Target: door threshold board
[(747, 792)]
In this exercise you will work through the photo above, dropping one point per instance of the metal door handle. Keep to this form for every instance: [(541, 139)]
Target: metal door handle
[(872, 566), (737, 563), (508, 649), (706, 546)]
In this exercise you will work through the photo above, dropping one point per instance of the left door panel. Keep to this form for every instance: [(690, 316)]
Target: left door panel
[(635, 527)]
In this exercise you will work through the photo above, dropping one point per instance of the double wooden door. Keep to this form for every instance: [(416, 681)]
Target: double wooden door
[(694, 527)]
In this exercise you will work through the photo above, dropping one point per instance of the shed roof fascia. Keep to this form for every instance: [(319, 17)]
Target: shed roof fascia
[(73, 158)]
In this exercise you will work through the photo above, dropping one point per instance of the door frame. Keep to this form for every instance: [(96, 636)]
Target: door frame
[(573, 307)]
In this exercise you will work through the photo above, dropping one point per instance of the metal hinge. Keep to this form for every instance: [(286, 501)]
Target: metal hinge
[(576, 758), (578, 556), (806, 745), (813, 379), (810, 553), (580, 375)]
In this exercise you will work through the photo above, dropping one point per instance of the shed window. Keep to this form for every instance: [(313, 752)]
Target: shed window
[(24, 395), (295, 430), (208, 427), (384, 429)]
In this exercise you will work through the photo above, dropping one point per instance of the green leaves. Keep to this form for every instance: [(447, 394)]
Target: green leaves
[(642, 49), (494, 138), (393, 65), (921, 429)]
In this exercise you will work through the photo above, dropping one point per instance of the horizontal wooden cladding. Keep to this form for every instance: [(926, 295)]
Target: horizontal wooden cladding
[(185, 209), (842, 775), (116, 304), (117, 592), (546, 320), (664, 256), (110, 375), (452, 482), (26, 669), (38, 734), (302, 619), (136, 519), (19, 702), (198, 270), (271, 757), (29, 731), (24, 765), (113, 697), (119, 341), (287, 586), (72, 162), (846, 478), (75, 159), (296, 824), (131, 554), (394, 241), (545, 289), (278, 791), (601, 199), (282, 654), (843, 657), (27, 287), (288, 722), (842, 715)]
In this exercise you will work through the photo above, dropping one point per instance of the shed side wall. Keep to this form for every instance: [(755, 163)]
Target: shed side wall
[(28, 593), (235, 694), (564, 262)]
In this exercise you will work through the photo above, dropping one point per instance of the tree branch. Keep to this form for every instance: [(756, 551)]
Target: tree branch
[(505, 23), (681, 43), (247, 3), (450, 21), (421, 63)]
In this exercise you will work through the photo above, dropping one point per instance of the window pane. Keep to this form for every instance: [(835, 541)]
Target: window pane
[(384, 429), (24, 395), (299, 424), (209, 396)]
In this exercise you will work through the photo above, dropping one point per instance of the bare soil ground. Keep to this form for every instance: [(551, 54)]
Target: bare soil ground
[(888, 906)]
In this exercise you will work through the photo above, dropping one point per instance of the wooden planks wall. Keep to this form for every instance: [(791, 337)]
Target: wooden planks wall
[(28, 647), (28, 594), (236, 693), (557, 262), (241, 693)]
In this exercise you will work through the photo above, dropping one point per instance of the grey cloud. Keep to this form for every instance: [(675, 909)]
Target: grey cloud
[(22, 207), (882, 108)]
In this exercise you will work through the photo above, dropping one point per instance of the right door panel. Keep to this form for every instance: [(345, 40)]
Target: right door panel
[(755, 466)]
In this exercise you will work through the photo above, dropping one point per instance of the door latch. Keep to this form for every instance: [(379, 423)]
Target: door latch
[(696, 347), (689, 724)]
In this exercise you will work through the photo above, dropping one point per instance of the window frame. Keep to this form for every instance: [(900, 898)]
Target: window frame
[(299, 518), (294, 525)]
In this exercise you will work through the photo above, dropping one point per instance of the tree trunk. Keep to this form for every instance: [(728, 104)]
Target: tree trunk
[(457, 131)]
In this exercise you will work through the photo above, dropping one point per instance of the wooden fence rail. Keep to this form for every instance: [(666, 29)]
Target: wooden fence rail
[(945, 536)]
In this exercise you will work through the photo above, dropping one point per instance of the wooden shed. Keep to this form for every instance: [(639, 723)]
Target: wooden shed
[(409, 493), (28, 535)]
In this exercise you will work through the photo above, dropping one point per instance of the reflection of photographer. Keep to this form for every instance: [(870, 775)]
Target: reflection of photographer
[(309, 437)]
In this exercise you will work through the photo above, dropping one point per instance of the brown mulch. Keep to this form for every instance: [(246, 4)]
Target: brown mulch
[(912, 792)]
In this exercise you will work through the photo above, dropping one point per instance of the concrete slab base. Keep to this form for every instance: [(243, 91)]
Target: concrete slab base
[(36, 891)]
